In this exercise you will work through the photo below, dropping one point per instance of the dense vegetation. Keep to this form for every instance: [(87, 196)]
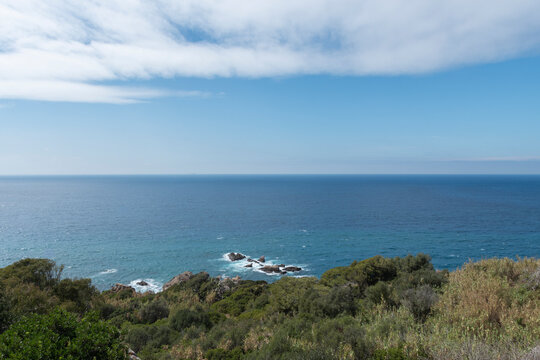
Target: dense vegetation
[(378, 308)]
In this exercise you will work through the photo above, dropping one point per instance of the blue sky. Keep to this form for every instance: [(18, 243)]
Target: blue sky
[(415, 113)]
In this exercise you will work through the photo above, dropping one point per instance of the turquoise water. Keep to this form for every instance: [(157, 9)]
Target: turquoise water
[(125, 228)]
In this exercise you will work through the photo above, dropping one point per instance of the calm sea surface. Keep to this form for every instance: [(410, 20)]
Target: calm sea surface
[(125, 228)]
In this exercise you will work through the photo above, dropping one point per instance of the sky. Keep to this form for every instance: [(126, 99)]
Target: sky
[(269, 87)]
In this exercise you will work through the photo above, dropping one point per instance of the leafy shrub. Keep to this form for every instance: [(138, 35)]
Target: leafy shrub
[(389, 354), (185, 318), (419, 301), (154, 336), (41, 272), (380, 293), (221, 354), (285, 294), (154, 311), (78, 292), (59, 335), (244, 295)]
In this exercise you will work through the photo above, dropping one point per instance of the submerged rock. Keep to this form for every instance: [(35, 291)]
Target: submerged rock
[(235, 256), (180, 278), (292, 268), (271, 269)]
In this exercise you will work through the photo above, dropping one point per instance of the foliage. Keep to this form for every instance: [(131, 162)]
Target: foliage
[(59, 335), (375, 309)]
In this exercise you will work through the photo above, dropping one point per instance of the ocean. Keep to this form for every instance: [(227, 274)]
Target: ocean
[(131, 228)]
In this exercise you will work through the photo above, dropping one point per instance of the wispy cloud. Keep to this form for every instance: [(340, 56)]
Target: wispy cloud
[(65, 51)]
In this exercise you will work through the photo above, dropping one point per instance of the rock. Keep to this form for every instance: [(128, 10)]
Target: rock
[(281, 265), (132, 355), (249, 265), (292, 268), (235, 256), (180, 278), (119, 287), (142, 283), (262, 259), (270, 269), (283, 272)]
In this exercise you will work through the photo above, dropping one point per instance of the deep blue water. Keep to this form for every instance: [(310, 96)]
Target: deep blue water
[(123, 228)]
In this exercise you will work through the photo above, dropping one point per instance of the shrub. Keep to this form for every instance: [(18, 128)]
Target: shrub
[(154, 311), (221, 354), (59, 335), (185, 318), (78, 292), (41, 272), (419, 301)]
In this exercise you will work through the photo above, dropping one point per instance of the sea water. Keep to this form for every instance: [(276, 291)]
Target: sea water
[(131, 228)]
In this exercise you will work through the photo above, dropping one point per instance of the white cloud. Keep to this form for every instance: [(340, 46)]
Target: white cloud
[(66, 50)]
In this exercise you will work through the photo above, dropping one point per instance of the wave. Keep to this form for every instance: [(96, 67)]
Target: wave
[(239, 266), (152, 285), (108, 271)]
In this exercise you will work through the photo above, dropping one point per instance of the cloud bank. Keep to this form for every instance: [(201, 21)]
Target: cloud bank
[(69, 50)]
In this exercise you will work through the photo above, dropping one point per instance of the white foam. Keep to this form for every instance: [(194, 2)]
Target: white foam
[(239, 266), (108, 271), (153, 285)]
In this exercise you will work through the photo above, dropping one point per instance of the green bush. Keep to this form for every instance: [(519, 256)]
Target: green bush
[(41, 272), (185, 318), (59, 335), (419, 301), (155, 336), (154, 311), (221, 354)]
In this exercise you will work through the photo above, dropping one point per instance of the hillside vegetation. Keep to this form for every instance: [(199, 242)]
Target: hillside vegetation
[(379, 308)]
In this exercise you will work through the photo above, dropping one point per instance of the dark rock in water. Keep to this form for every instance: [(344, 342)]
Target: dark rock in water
[(262, 259), (142, 283), (283, 272), (120, 287), (235, 256), (281, 265), (292, 268), (249, 265), (271, 269), (180, 278)]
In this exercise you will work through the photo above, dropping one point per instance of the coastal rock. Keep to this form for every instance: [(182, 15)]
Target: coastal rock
[(132, 355), (120, 287), (235, 256), (249, 265), (271, 269), (292, 268), (180, 278), (142, 283), (262, 259)]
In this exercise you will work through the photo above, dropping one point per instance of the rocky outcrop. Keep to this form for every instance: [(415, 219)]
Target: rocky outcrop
[(180, 278), (132, 355), (292, 268), (120, 287), (262, 259), (235, 256), (271, 269), (279, 269), (249, 265), (142, 283)]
